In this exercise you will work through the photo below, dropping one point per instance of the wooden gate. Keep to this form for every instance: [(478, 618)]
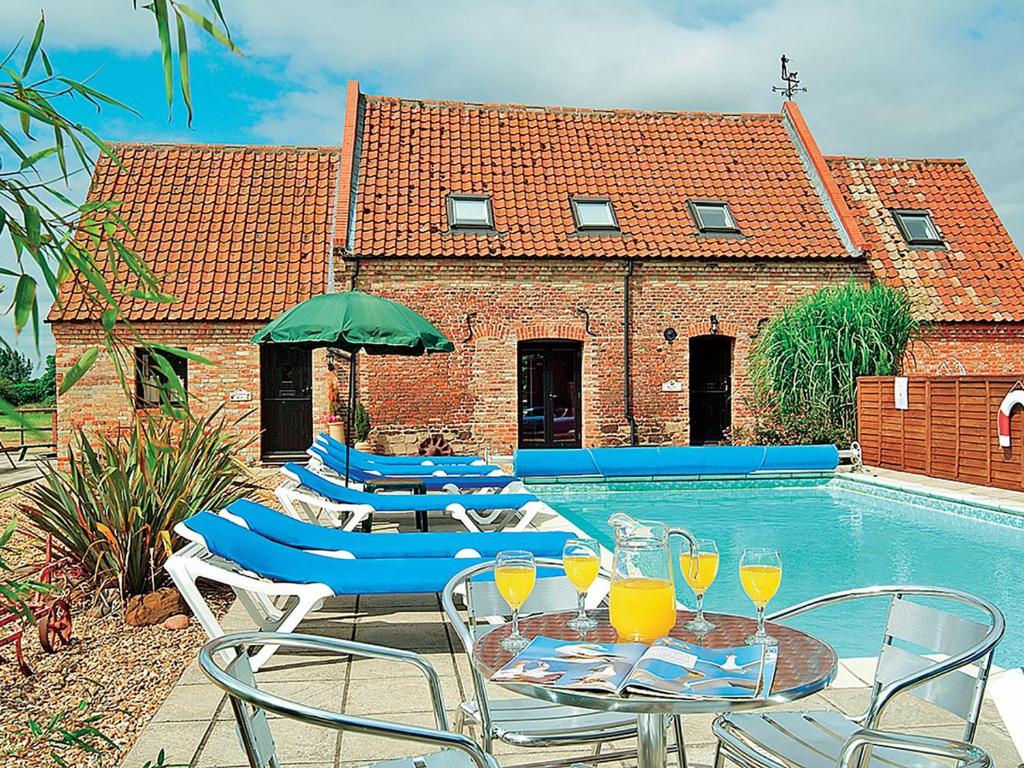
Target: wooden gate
[(949, 429)]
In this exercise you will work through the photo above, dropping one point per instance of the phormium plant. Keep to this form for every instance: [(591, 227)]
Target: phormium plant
[(115, 507)]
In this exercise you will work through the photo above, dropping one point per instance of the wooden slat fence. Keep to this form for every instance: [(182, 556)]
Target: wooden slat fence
[(949, 431)]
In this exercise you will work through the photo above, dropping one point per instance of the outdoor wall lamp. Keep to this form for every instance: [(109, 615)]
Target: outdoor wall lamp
[(714, 325), (670, 334)]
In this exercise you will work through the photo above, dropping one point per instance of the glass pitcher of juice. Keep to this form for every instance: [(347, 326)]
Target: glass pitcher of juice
[(643, 600)]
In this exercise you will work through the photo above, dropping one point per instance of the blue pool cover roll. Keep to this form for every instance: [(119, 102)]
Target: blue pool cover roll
[(674, 461)]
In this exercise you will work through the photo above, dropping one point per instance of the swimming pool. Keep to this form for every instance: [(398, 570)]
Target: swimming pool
[(832, 533)]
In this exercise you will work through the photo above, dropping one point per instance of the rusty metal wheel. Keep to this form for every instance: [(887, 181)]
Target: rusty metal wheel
[(55, 626), (436, 445)]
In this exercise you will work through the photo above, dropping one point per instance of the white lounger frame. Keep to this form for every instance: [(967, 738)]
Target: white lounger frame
[(256, 594), (302, 503), (260, 597)]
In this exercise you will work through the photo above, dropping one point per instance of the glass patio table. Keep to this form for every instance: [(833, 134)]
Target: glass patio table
[(805, 666)]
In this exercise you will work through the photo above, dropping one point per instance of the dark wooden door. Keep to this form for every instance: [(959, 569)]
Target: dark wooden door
[(550, 378), (710, 388), (286, 381)]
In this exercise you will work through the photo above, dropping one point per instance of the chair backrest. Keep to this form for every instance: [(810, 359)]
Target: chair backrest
[(250, 704), (919, 638), (484, 605)]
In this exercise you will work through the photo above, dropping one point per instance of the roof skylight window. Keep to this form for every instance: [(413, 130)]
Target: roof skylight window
[(594, 214), (470, 212), (917, 227), (713, 216)]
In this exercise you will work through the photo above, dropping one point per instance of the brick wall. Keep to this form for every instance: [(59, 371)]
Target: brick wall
[(470, 396), (980, 348), (96, 402)]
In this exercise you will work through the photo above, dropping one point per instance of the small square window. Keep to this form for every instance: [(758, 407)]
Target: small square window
[(594, 213), (713, 216), (470, 212), (917, 227), (151, 389)]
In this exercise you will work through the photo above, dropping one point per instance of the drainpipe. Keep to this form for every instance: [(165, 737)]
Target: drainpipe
[(627, 381), (355, 273)]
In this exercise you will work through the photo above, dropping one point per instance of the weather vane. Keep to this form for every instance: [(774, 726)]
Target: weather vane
[(791, 80)]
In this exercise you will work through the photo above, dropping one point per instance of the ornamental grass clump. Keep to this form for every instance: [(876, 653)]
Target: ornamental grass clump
[(115, 507), (806, 361)]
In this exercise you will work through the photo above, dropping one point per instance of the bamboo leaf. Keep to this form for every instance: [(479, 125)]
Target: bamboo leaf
[(209, 27), (159, 8), (34, 47), (24, 300), (32, 226), (79, 368), (186, 92), (34, 158)]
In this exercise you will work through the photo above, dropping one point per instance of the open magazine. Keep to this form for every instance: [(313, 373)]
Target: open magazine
[(669, 668)]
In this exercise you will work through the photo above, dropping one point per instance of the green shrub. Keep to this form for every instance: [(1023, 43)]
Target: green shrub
[(115, 507), (15, 366), (805, 363), (42, 390), (361, 424)]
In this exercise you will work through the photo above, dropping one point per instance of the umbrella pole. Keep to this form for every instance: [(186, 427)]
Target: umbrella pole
[(351, 411)]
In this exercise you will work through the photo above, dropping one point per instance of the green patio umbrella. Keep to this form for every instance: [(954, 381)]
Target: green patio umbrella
[(354, 321)]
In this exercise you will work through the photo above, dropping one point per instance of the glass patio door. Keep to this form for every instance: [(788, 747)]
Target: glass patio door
[(549, 395)]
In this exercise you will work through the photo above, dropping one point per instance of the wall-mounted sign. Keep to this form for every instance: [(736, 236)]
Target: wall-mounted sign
[(672, 386), (900, 393), (241, 396)]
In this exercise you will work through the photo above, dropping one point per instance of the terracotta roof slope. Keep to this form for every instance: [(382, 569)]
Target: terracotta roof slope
[(532, 160), (977, 276), (236, 232)]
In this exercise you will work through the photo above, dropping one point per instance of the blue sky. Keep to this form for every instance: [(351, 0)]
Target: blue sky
[(920, 78)]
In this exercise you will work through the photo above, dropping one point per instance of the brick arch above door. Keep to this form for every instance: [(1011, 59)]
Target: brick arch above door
[(566, 330), (703, 328)]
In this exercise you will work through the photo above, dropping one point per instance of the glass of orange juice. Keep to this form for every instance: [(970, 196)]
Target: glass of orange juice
[(761, 575), (581, 561), (515, 573), (699, 569)]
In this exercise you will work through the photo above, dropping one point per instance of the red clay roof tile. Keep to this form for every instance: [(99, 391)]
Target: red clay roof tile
[(531, 160), (216, 219), (979, 277)]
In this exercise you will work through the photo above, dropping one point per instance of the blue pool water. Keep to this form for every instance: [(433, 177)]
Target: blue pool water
[(832, 534)]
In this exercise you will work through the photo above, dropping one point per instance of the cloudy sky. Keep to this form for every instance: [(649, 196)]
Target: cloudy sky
[(919, 78)]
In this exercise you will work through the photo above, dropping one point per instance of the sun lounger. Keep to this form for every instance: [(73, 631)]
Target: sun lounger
[(326, 463), (299, 534), (425, 461), (260, 570), (307, 494), (369, 461)]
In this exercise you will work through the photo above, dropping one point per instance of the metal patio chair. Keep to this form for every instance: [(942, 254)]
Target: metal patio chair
[(522, 721), (251, 705), (937, 656)]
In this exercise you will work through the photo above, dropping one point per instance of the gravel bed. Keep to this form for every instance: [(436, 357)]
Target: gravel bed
[(120, 673)]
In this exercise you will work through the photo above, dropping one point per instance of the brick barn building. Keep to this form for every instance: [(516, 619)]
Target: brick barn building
[(603, 273)]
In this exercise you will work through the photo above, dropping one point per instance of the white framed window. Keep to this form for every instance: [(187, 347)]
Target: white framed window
[(470, 212), (713, 216), (594, 213), (917, 227)]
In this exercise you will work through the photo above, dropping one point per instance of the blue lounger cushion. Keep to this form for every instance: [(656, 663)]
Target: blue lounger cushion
[(282, 563), (438, 461), (390, 502), (555, 462), (431, 483), (283, 529), (800, 457), (358, 459)]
